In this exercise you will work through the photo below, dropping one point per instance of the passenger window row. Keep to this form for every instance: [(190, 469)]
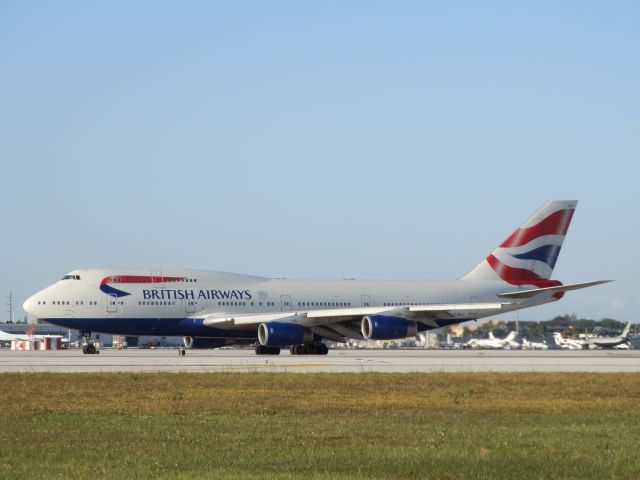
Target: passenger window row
[(411, 304), (65, 302), (244, 304), (324, 304)]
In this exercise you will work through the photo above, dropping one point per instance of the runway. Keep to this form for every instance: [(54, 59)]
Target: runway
[(134, 360)]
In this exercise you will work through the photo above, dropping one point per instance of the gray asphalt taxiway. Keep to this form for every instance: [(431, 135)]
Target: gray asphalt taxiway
[(232, 360)]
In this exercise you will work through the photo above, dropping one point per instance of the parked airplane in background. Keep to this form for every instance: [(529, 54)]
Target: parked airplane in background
[(213, 309), (612, 342), (621, 341), (9, 337), (527, 345), (568, 343), (493, 342)]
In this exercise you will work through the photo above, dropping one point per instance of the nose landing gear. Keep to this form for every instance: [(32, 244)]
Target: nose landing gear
[(88, 347)]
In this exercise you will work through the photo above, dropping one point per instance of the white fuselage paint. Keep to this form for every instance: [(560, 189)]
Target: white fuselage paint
[(78, 301)]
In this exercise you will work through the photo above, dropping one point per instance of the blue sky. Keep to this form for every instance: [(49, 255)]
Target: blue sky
[(393, 140)]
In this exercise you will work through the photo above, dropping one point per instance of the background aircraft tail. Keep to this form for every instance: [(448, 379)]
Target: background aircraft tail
[(626, 331), (557, 337), (528, 255)]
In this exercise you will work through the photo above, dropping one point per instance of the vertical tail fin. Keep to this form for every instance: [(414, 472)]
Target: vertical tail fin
[(626, 331), (528, 255)]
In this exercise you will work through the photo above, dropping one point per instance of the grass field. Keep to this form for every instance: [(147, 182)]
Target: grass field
[(164, 425)]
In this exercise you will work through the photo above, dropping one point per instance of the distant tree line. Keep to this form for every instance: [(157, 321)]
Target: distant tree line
[(568, 325)]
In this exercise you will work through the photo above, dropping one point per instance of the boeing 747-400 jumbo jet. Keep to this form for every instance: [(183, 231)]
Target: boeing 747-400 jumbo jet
[(213, 309)]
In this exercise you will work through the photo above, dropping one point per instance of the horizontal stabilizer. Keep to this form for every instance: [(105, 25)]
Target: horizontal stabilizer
[(457, 307), (521, 294)]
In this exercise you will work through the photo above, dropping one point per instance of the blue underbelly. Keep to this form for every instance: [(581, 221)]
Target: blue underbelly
[(192, 327)]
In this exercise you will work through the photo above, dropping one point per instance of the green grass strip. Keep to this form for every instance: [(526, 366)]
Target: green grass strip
[(285, 426)]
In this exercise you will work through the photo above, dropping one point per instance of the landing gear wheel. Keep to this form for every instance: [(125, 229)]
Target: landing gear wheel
[(263, 350), (88, 348), (309, 349), (321, 349)]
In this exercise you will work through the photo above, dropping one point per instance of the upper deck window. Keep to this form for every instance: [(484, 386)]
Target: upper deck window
[(71, 277)]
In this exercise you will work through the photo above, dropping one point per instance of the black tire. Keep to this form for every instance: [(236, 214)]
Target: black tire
[(321, 349), (84, 349), (262, 350), (91, 349), (299, 349)]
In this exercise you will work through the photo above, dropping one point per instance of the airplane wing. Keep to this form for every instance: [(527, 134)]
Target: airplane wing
[(338, 323), (7, 337), (522, 294)]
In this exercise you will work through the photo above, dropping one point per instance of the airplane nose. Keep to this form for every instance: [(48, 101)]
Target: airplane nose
[(29, 306)]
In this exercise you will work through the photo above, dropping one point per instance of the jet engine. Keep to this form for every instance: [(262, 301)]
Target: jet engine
[(275, 334), (382, 327)]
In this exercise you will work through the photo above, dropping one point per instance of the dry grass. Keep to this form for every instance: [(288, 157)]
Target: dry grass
[(320, 425)]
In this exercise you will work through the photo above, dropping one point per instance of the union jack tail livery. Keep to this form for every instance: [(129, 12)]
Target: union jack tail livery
[(528, 255)]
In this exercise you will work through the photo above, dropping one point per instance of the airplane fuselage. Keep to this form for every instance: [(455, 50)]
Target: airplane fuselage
[(174, 302)]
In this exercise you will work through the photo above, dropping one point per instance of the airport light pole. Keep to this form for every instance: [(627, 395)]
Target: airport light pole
[(10, 305)]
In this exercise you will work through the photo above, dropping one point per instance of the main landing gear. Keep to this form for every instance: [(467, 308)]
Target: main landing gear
[(262, 350), (309, 349), (318, 348), (88, 347)]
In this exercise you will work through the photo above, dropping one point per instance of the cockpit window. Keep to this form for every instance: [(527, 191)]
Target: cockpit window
[(71, 277)]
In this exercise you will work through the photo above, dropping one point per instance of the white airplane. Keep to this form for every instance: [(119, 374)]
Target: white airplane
[(493, 342), (8, 337), (527, 345), (568, 343), (213, 309), (621, 341)]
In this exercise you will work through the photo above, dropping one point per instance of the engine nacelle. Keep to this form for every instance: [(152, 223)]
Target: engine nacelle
[(204, 342), (275, 334), (381, 327)]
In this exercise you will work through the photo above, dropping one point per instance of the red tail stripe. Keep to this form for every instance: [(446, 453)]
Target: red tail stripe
[(555, 224), (519, 276), (138, 279)]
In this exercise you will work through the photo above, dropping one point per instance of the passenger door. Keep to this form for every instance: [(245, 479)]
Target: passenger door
[(190, 305), (285, 303), (112, 304)]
